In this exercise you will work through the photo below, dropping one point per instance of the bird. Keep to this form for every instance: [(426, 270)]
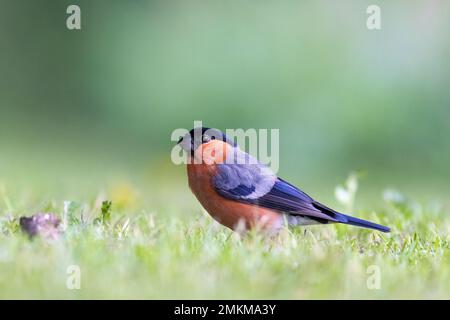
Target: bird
[(239, 191)]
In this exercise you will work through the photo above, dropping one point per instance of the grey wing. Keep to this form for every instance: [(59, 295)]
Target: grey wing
[(243, 179), (256, 184)]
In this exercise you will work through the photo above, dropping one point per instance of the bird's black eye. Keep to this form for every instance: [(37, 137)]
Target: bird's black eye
[(207, 138)]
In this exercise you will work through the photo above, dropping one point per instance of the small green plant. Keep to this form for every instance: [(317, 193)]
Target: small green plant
[(9, 225), (105, 217), (70, 213)]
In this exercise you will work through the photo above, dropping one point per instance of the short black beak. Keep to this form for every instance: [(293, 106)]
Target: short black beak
[(181, 139)]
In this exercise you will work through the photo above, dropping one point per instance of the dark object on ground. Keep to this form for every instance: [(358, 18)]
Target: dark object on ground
[(45, 225)]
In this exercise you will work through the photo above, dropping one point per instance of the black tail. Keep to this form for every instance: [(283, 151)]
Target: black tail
[(342, 218)]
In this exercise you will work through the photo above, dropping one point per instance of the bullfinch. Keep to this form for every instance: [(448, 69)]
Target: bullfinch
[(237, 190)]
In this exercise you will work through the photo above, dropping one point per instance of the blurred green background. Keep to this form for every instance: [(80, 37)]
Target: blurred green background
[(80, 110)]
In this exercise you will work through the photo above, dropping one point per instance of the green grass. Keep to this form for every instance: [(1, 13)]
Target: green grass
[(171, 249)]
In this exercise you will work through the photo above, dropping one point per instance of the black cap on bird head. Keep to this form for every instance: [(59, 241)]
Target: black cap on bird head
[(197, 136)]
